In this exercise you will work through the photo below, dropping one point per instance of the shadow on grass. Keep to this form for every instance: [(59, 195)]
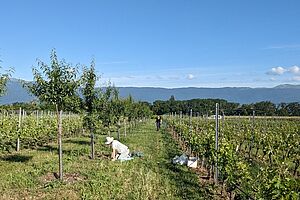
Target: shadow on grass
[(16, 158), (81, 142), (73, 152), (186, 181)]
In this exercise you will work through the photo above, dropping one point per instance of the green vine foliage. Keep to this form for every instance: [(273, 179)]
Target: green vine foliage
[(35, 131), (260, 159)]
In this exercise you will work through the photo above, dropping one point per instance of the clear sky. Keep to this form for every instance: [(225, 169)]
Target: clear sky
[(160, 43)]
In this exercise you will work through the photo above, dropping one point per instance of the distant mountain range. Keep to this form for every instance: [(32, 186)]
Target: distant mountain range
[(281, 93)]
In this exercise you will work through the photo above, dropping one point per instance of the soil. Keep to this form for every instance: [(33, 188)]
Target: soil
[(102, 155), (67, 177)]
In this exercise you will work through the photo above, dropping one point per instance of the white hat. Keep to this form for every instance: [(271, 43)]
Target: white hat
[(109, 140)]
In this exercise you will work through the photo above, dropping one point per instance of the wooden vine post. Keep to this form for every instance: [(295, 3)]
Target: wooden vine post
[(216, 143), (190, 129), (252, 133), (60, 146), (180, 119), (19, 127), (37, 118)]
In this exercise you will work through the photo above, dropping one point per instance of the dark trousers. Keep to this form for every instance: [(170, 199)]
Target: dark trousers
[(157, 126)]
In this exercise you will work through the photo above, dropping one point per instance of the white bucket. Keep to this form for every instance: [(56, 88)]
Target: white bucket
[(192, 162)]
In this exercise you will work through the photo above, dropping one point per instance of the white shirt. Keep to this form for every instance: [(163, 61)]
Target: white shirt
[(121, 148)]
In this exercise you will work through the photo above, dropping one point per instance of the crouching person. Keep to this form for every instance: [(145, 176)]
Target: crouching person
[(119, 151)]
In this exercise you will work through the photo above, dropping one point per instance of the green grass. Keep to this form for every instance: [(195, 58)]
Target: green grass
[(29, 174)]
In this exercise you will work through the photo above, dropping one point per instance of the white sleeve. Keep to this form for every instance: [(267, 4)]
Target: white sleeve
[(113, 144)]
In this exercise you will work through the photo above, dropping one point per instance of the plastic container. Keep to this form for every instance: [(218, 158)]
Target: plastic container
[(192, 162)]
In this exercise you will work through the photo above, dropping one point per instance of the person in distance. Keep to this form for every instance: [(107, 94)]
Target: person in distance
[(158, 122)]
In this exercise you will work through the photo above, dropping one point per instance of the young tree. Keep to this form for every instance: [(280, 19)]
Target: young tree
[(104, 105), (90, 97), (116, 109), (55, 84), (128, 110)]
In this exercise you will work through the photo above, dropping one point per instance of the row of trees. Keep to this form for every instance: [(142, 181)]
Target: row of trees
[(60, 86), (207, 107), (199, 107)]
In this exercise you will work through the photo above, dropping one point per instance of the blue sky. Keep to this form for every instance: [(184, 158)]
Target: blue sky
[(160, 43)]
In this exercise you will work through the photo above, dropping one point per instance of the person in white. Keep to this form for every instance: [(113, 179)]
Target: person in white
[(119, 151)]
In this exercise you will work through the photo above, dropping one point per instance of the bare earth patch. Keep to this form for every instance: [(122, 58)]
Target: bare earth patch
[(67, 177), (103, 155)]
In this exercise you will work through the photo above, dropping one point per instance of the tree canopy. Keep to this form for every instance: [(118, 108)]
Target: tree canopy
[(56, 83), (4, 77), (207, 107)]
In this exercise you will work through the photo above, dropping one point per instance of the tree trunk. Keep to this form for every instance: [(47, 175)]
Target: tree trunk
[(109, 129), (203, 161), (92, 145), (59, 136), (256, 152), (124, 128), (119, 125), (296, 167), (249, 152)]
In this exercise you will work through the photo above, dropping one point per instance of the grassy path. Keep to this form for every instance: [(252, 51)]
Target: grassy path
[(29, 174)]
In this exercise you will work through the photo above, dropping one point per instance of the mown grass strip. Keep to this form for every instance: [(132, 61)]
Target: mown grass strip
[(150, 177)]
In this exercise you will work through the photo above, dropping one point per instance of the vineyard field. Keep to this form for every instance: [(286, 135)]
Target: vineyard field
[(256, 158), (29, 173), (34, 129)]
